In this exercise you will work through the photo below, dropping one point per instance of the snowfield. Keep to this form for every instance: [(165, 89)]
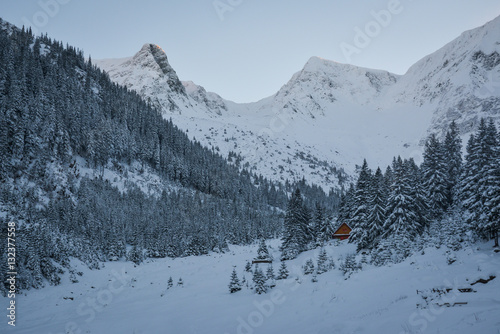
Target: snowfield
[(123, 298)]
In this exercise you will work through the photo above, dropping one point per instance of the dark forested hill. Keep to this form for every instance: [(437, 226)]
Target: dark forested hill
[(59, 113)]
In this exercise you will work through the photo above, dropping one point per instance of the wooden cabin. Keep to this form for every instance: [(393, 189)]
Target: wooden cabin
[(342, 232)]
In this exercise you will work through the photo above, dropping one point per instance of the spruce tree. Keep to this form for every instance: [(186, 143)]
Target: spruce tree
[(489, 186), (322, 265), (259, 281), (359, 219), (270, 273), (283, 271), (377, 214), (294, 239), (401, 219), (453, 160), (248, 267), (263, 251), (234, 284), (435, 171), (308, 267)]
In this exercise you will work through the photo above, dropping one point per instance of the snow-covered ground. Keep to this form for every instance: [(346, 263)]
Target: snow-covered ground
[(123, 298)]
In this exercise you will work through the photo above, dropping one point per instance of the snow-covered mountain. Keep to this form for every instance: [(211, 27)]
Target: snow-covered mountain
[(329, 116), (460, 81)]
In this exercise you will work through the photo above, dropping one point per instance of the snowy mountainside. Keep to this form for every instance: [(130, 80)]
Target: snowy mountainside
[(323, 83), (460, 81), (398, 298), (329, 116), (224, 125)]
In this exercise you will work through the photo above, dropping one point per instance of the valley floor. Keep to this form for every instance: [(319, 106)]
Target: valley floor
[(123, 298)]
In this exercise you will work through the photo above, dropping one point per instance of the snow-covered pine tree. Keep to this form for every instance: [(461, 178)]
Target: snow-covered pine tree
[(259, 281), (270, 272), (359, 219), (376, 215), (400, 216), (478, 179), (325, 229), (318, 217), (308, 267), (234, 284), (489, 187), (263, 251), (294, 239), (248, 267), (271, 279), (434, 170), (349, 265), (420, 201), (469, 180), (453, 160), (322, 262), (283, 271), (307, 231)]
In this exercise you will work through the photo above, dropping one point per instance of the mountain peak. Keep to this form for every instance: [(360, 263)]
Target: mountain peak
[(153, 57)]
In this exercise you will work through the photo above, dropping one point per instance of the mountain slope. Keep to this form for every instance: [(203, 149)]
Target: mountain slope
[(460, 81), (329, 116)]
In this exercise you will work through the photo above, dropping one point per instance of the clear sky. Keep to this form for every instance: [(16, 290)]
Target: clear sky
[(245, 50)]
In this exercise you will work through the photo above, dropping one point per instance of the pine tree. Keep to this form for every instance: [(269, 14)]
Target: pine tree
[(248, 267), (469, 179), (453, 159), (359, 219), (324, 228), (347, 207), (271, 279), (317, 224), (322, 265), (489, 186), (270, 273), (308, 267), (234, 284), (377, 203), (170, 282), (294, 239), (180, 282), (263, 251), (435, 171), (349, 265), (401, 219), (259, 281), (479, 181), (283, 271), (420, 202)]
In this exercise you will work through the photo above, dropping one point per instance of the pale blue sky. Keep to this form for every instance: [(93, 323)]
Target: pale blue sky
[(258, 44)]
